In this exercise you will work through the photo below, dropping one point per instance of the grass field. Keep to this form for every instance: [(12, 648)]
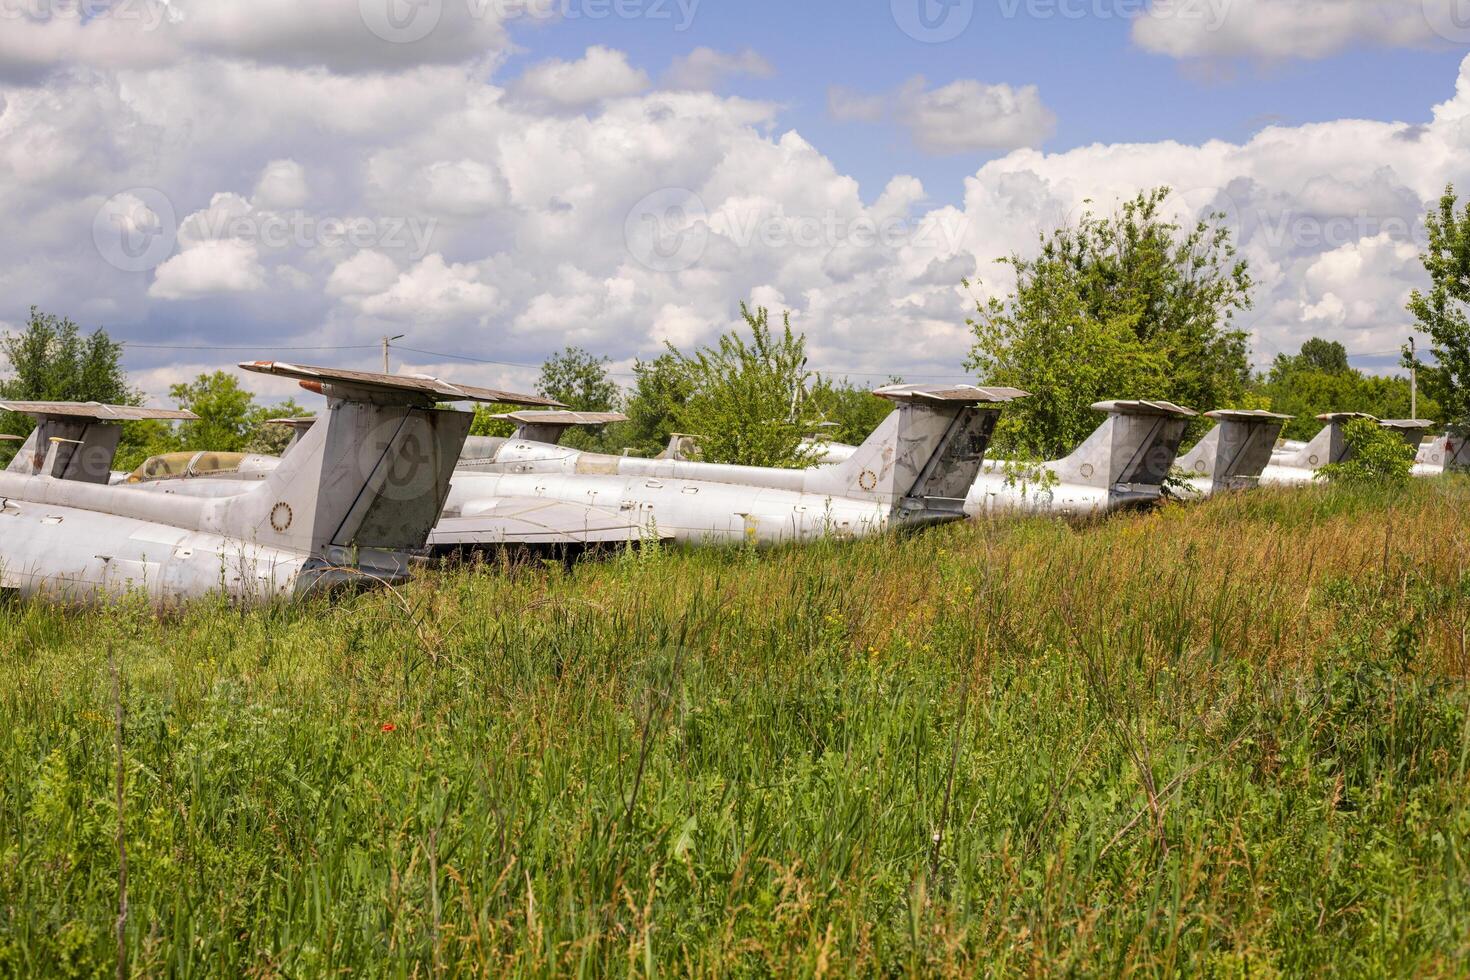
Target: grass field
[(1229, 738)]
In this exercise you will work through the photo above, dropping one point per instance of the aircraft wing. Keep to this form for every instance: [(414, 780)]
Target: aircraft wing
[(537, 521)]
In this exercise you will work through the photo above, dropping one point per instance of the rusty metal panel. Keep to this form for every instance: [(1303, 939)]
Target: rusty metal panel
[(1145, 408), (94, 410), (399, 384), (1246, 415), (949, 393)]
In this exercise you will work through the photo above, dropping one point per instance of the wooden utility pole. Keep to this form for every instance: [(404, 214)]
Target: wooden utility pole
[(1413, 381), (386, 342)]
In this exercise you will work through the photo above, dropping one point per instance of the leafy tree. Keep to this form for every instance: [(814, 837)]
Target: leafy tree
[(743, 399), (1050, 346), (1318, 380), (1442, 311), (853, 410), (1326, 356), (271, 440), (660, 388), (486, 424), (1379, 457), (578, 380), (230, 420), (51, 360), (1127, 306), (226, 413)]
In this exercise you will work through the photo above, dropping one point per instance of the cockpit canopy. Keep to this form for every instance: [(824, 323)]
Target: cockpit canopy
[(174, 466)]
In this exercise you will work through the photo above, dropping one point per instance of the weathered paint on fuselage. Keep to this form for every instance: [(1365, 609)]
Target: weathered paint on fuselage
[(693, 511), (78, 555), (1000, 492)]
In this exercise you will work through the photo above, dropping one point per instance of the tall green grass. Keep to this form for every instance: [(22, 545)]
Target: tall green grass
[(1229, 738)]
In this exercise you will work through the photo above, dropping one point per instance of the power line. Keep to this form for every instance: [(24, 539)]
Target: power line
[(214, 347), (829, 371)]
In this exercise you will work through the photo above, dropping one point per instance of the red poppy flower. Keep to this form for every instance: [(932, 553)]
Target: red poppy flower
[(388, 726)]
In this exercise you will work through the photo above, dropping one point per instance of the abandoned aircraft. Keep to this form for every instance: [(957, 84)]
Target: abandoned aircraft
[(358, 495), (1122, 464), (1234, 453), (1449, 452), (914, 469), (1304, 465)]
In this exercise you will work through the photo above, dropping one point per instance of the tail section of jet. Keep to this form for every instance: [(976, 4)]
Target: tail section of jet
[(918, 462), (361, 490), (1124, 462), (77, 441), (1234, 453), (1328, 446), (372, 476), (1132, 452), (1444, 453), (922, 459)]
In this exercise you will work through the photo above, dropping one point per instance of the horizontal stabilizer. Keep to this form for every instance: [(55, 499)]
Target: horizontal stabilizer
[(1413, 430), (550, 426), (536, 521), (554, 417), (1247, 415), (410, 389), (958, 394), (95, 411), (1168, 409), (300, 426)]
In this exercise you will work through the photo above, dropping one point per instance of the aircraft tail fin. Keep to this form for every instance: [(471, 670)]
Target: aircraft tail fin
[(1136, 445), (1413, 431), (77, 440), (299, 426), (1233, 453), (1329, 445), (925, 455), (550, 426), (373, 473)]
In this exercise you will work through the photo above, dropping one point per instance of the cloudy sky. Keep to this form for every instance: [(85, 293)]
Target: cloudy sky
[(217, 180)]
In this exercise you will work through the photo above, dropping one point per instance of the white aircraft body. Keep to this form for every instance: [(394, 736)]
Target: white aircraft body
[(1122, 464), (1449, 452), (356, 498), (1304, 465), (914, 469)]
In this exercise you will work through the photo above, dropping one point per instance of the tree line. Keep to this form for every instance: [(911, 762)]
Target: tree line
[(1127, 304)]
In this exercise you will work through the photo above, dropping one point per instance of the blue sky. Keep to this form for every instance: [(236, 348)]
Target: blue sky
[(1102, 87)]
